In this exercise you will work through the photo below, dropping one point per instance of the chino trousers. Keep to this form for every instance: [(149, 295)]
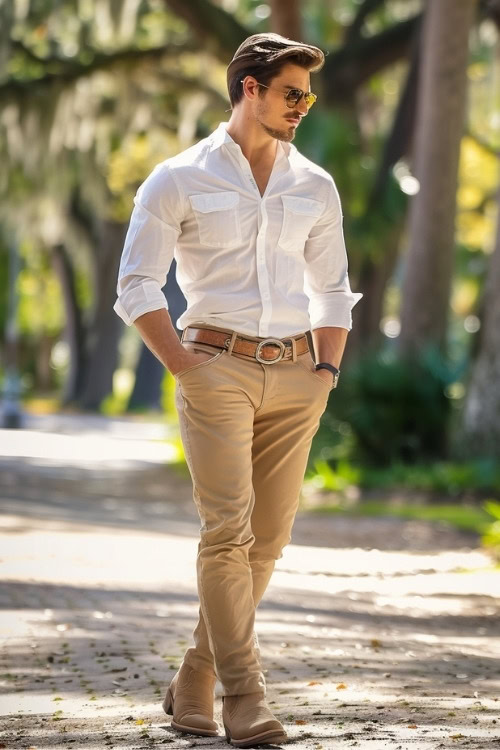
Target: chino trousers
[(247, 429)]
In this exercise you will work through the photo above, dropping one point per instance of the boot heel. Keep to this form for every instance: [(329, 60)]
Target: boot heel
[(228, 736), (168, 704)]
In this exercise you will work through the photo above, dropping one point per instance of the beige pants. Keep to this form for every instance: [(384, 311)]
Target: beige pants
[(247, 430)]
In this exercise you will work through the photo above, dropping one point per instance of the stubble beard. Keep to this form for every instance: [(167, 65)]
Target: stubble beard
[(281, 135)]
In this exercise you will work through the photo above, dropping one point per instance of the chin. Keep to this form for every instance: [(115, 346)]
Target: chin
[(279, 134)]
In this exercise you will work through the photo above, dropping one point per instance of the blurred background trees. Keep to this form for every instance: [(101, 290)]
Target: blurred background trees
[(94, 93)]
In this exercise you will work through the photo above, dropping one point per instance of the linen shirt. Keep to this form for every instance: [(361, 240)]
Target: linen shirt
[(270, 266)]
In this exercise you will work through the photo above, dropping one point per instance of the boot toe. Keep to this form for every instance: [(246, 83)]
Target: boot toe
[(249, 721), (198, 721), (258, 729)]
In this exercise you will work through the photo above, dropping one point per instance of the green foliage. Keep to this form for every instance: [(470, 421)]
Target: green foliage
[(4, 283), (397, 408), (465, 518), (442, 477), (491, 537), (168, 397), (40, 305)]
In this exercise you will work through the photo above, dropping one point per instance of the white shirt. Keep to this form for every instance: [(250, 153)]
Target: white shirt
[(270, 266)]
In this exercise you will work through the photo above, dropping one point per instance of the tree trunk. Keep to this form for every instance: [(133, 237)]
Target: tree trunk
[(372, 283), (440, 116), (102, 355), (74, 332), (286, 19), (375, 273), (481, 420)]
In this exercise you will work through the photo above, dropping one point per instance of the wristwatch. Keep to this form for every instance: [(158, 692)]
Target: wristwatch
[(334, 370)]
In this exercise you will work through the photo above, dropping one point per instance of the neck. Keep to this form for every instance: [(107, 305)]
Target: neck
[(255, 143)]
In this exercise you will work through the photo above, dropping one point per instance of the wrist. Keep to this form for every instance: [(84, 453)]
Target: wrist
[(334, 370)]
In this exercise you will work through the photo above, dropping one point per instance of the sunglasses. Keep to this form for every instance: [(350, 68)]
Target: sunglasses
[(293, 96)]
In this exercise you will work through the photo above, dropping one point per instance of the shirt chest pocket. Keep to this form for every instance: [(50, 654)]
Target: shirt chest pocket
[(299, 217), (217, 218)]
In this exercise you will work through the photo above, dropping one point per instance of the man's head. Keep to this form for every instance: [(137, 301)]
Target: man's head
[(267, 75)]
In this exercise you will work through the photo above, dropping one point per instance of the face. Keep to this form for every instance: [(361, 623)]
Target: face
[(270, 109)]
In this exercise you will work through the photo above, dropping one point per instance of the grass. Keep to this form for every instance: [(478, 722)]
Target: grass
[(465, 518)]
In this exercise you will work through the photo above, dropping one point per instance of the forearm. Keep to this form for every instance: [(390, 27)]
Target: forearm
[(160, 337), (329, 343)]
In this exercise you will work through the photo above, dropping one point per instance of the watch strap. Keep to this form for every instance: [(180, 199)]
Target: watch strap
[(334, 370), (327, 366)]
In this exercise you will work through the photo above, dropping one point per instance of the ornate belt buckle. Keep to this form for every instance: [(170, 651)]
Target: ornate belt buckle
[(273, 342)]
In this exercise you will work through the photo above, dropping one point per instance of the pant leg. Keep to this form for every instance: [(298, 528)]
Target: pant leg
[(284, 426), (200, 657), (216, 413), (283, 432)]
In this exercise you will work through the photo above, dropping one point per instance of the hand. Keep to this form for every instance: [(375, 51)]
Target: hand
[(189, 359), (326, 375)]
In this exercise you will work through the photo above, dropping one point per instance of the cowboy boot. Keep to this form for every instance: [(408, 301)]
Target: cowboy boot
[(190, 701), (248, 721)]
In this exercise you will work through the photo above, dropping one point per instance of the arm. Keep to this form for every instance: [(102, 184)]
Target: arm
[(329, 345), (146, 259), (326, 282), (160, 337)]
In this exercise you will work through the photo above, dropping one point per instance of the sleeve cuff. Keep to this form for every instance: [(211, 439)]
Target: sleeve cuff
[(333, 310), (138, 311)]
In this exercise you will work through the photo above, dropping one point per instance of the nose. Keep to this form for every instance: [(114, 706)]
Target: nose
[(302, 106)]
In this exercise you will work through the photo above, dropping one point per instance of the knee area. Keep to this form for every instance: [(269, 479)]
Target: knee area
[(264, 550), (225, 541)]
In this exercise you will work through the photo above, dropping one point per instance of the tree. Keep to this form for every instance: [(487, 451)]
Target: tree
[(440, 118), (286, 18), (481, 421)]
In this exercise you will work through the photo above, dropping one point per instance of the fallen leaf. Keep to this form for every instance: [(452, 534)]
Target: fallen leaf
[(139, 721), (412, 726), (341, 686), (300, 721), (314, 682), (375, 643)]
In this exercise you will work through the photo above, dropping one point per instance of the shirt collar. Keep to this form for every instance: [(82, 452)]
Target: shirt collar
[(220, 137)]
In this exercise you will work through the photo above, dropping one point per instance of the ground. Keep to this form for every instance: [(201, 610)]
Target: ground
[(374, 633)]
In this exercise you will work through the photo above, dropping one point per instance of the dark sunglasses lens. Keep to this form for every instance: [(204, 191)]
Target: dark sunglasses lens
[(293, 96)]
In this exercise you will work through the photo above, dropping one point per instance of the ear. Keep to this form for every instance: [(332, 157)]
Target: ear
[(250, 87)]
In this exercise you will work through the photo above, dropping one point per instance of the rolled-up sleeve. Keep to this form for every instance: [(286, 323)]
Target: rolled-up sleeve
[(326, 280), (149, 245)]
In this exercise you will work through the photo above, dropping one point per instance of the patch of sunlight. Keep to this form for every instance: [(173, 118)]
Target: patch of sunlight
[(82, 449)]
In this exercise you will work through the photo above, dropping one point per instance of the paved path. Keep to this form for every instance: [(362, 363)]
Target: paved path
[(374, 634)]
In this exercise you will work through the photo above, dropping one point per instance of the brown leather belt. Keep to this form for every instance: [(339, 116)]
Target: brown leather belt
[(268, 351)]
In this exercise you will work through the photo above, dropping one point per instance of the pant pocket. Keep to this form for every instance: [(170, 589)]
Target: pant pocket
[(195, 347), (306, 362)]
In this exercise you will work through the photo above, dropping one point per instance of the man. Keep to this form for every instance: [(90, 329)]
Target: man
[(256, 230)]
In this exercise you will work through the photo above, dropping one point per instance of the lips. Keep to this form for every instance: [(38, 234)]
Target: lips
[(294, 120)]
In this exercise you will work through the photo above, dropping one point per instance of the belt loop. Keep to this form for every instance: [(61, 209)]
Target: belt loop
[(234, 336), (294, 349)]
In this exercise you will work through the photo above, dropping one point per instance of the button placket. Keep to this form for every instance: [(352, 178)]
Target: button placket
[(262, 275)]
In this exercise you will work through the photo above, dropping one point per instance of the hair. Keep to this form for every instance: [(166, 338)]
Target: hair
[(263, 56)]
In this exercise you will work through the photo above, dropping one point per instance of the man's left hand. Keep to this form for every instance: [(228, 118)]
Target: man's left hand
[(326, 375)]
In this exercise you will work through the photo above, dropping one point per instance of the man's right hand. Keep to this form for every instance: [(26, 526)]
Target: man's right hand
[(160, 337), (189, 359)]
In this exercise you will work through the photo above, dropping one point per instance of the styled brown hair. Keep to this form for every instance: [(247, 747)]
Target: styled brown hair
[(263, 55)]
